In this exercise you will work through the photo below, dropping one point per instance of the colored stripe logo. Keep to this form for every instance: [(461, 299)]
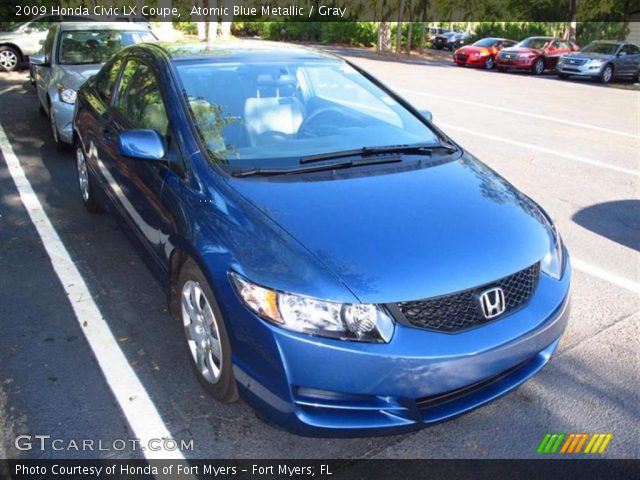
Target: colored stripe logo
[(594, 443)]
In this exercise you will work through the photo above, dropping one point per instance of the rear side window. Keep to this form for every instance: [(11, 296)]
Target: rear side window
[(631, 49), (104, 85), (139, 99)]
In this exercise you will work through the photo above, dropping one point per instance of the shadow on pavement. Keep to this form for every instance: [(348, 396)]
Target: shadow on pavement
[(618, 221)]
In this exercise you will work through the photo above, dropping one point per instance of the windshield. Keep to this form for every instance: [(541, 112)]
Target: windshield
[(597, 47), (96, 46), (487, 42), (537, 43), (255, 114)]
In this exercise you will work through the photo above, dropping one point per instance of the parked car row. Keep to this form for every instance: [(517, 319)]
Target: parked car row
[(603, 60), (227, 163)]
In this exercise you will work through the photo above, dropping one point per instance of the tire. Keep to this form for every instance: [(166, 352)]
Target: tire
[(489, 63), (607, 74), (85, 183), (60, 146), (41, 109), (538, 66), (201, 323), (563, 76), (10, 59), (636, 78)]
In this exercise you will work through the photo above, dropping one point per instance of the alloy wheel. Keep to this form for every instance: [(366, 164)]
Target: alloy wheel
[(8, 59), (54, 127), (539, 66), (83, 174), (201, 331), (607, 74), (488, 63)]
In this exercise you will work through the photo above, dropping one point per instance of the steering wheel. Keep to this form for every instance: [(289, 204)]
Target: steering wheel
[(328, 117)]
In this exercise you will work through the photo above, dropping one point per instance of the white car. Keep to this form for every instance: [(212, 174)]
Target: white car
[(71, 53)]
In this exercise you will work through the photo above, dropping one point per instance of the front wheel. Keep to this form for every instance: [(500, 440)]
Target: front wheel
[(205, 335), (54, 129), (85, 183), (489, 63), (538, 66), (9, 59), (607, 74)]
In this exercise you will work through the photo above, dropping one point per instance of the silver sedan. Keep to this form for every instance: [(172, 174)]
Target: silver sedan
[(71, 53)]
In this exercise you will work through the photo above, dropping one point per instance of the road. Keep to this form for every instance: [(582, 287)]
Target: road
[(572, 146)]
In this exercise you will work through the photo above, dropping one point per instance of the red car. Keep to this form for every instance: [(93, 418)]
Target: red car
[(482, 53), (535, 54)]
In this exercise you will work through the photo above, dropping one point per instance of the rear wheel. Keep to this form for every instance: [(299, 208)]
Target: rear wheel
[(85, 183), (205, 335), (489, 63), (538, 66), (607, 74), (9, 59)]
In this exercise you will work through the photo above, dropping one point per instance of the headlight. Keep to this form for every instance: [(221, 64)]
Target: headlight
[(560, 60), (356, 322), (597, 61), (553, 262), (67, 95)]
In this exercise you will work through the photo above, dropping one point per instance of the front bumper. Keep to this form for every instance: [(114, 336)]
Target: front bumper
[(516, 63), (587, 70), (63, 113), (321, 387), (469, 59)]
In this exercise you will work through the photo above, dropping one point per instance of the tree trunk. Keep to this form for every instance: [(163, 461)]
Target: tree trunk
[(384, 37), (225, 25), (410, 32), (570, 27), (399, 29)]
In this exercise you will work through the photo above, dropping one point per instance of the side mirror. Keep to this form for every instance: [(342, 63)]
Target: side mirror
[(141, 144), (28, 30), (426, 114), (40, 60)]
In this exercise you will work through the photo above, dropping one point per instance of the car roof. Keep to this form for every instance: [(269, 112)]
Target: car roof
[(245, 50), (128, 26)]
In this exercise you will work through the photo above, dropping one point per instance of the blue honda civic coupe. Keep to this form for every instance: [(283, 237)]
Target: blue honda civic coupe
[(335, 259)]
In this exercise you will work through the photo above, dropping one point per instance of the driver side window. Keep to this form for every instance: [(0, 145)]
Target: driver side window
[(139, 99)]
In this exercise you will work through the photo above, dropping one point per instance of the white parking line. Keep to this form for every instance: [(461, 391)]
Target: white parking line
[(525, 114), (604, 275), (131, 395), (538, 148)]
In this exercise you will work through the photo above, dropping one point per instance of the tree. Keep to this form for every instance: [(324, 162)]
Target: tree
[(399, 29)]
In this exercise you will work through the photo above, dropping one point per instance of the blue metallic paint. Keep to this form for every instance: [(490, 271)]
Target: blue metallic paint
[(141, 144), (370, 236)]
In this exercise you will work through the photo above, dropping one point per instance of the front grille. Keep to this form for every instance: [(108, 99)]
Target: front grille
[(575, 61), (462, 56), (461, 311)]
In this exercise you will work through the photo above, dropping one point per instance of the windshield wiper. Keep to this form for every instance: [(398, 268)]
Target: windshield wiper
[(314, 168), (415, 149)]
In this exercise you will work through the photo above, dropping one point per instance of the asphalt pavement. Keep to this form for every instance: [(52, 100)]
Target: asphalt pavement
[(572, 146)]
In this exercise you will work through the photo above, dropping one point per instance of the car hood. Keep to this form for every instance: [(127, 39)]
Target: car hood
[(407, 235), (73, 76), (603, 56), (469, 49), (520, 50)]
